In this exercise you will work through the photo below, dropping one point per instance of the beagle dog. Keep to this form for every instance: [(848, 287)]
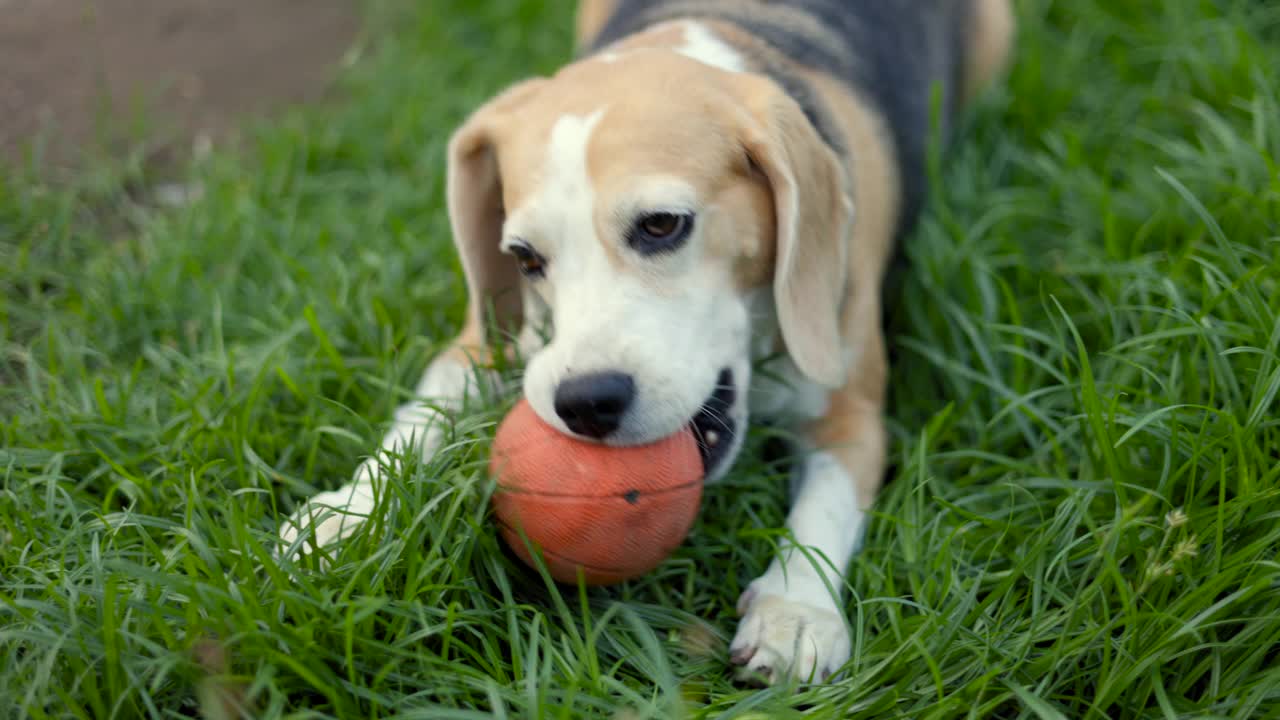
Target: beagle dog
[(709, 184)]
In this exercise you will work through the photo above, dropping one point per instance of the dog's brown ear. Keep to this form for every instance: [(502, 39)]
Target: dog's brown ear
[(476, 212), (814, 215)]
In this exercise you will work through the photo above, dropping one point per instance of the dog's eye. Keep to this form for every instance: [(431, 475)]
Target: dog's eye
[(659, 232), (531, 264)]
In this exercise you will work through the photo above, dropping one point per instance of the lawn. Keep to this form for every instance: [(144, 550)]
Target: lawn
[(1083, 516)]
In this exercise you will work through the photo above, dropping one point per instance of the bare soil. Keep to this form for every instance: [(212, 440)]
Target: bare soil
[(96, 73)]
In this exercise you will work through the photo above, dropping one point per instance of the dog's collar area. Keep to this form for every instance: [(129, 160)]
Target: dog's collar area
[(713, 427)]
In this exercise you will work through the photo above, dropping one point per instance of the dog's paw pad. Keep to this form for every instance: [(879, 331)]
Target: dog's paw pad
[(780, 637)]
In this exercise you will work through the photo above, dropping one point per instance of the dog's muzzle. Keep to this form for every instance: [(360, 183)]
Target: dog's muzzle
[(713, 427)]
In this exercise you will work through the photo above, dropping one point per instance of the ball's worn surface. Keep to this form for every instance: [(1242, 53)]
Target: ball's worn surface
[(613, 512)]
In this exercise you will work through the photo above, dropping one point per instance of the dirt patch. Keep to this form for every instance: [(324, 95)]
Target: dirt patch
[(95, 73)]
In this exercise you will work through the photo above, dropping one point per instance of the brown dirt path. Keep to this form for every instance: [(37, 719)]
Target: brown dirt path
[(84, 70)]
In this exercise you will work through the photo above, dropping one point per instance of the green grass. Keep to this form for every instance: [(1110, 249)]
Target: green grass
[(1084, 515)]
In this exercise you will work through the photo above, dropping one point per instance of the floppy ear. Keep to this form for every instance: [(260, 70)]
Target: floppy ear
[(476, 213), (814, 213)]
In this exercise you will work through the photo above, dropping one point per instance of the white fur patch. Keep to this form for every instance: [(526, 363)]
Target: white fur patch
[(702, 45), (565, 176)]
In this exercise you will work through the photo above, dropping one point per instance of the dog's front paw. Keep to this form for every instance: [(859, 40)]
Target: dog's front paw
[(328, 516), (789, 629)]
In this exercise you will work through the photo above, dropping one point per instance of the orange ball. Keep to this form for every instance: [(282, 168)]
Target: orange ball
[(613, 512)]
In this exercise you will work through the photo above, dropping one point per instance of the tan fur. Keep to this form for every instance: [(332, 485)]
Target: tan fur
[(591, 17), (990, 40), (813, 208), (476, 205), (663, 35), (757, 210), (752, 217), (873, 167)]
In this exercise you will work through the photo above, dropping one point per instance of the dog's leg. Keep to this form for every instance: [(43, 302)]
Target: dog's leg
[(793, 622), (450, 380)]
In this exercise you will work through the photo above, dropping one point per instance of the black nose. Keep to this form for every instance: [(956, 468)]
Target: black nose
[(593, 405)]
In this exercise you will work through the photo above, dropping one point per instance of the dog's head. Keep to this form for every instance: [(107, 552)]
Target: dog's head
[(652, 210)]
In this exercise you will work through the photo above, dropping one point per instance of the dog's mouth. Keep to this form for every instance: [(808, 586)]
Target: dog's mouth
[(712, 425)]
